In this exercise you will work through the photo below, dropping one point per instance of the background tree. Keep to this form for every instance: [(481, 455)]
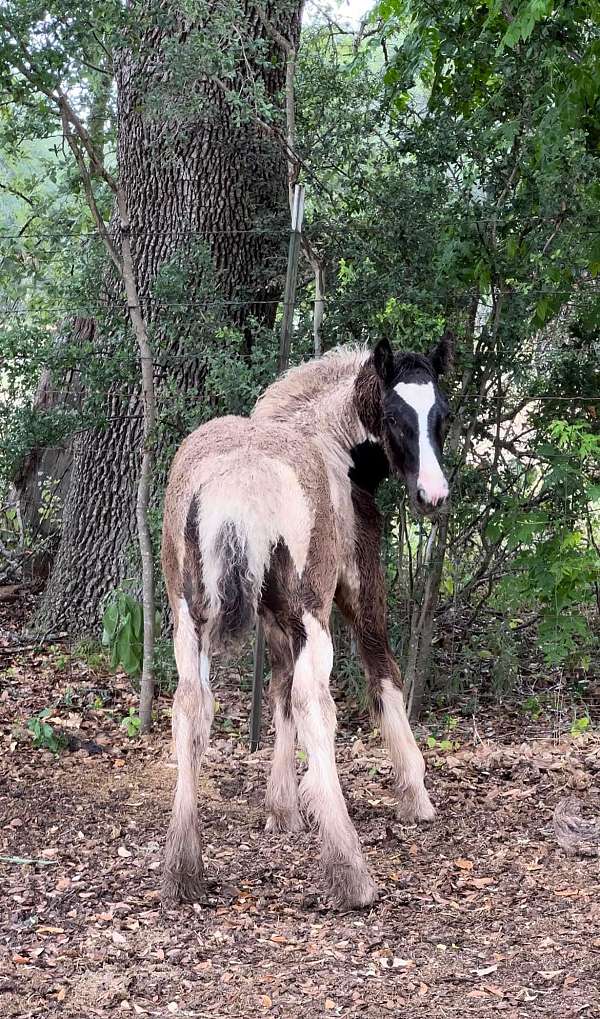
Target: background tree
[(199, 181)]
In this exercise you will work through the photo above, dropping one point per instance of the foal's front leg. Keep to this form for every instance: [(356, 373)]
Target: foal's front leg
[(313, 709), (365, 610), (407, 760)]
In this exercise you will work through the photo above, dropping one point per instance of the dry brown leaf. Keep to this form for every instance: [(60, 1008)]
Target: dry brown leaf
[(329, 1003), (480, 882), (463, 864)]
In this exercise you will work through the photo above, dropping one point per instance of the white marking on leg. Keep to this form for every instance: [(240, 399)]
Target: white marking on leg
[(186, 644), (282, 787), (314, 712), (192, 718), (421, 397), (205, 669), (407, 759)]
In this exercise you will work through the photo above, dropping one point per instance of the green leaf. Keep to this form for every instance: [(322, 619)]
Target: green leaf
[(110, 622)]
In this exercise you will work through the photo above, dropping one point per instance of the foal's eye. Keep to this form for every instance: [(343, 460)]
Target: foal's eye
[(391, 419)]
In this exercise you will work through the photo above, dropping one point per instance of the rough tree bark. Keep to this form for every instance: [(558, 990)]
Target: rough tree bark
[(211, 178)]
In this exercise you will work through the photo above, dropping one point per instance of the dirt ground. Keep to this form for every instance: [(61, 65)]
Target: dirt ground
[(480, 912)]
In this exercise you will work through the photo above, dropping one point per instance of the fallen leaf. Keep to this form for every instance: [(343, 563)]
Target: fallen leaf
[(463, 864), (484, 972), (122, 851), (265, 1001), (480, 882)]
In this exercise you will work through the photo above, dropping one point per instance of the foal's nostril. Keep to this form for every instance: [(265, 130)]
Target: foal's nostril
[(427, 504)]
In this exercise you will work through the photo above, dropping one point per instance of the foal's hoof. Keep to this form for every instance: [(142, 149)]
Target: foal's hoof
[(282, 821), (414, 805), (178, 887), (350, 887)]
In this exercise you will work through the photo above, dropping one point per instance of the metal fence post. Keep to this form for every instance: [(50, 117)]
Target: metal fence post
[(287, 321)]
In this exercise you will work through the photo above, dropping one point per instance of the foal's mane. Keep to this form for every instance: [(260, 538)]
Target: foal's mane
[(306, 384)]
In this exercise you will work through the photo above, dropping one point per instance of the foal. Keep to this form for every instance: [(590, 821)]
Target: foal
[(274, 515)]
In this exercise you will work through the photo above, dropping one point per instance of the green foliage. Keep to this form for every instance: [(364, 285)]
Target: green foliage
[(444, 745), (533, 706), (123, 632), (580, 726), (44, 735), (131, 724)]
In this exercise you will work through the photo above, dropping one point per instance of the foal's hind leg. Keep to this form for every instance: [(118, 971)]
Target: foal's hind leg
[(183, 879), (314, 712), (281, 800)]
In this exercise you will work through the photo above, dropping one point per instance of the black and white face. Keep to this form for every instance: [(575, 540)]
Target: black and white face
[(415, 414)]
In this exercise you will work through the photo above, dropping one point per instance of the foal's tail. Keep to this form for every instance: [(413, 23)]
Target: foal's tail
[(225, 562), (238, 586)]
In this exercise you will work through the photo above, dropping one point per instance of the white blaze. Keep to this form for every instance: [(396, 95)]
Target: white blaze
[(421, 397)]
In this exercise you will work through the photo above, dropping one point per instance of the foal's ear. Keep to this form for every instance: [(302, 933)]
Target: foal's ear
[(442, 356), (383, 359)]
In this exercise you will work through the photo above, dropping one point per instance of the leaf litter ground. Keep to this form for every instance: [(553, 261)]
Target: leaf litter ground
[(480, 912)]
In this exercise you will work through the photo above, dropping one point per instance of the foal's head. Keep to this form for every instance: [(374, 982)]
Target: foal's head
[(414, 417)]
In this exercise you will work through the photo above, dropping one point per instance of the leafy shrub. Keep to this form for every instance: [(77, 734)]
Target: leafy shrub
[(122, 633), (44, 735), (131, 724)]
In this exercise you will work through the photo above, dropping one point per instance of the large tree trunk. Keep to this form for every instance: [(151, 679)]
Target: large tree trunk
[(206, 178)]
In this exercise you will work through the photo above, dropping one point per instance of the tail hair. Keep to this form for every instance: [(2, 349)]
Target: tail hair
[(224, 565), (237, 590)]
